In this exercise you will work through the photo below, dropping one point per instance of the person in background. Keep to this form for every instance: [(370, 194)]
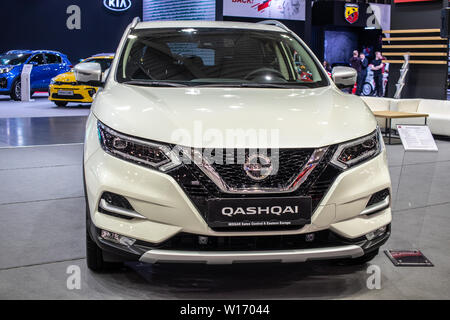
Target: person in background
[(367, 51), (355, 63), (326, 65), (376, 66), (363, 74)]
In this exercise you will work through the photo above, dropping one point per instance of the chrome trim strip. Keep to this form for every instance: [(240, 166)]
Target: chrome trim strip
[(117, 210), (209, 171), (135, 21), (275, 23), (221, 257), (377, 206)]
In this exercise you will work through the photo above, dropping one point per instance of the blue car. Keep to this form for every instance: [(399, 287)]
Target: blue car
[(46, 65)]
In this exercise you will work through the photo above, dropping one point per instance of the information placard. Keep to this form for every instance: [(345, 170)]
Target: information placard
[(416, 138), (25, 82)]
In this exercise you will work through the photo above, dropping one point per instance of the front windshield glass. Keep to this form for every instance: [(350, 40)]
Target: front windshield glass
[(13, 59), (217, 57)]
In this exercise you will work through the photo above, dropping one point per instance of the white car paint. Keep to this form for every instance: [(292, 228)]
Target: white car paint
[(304, 118)]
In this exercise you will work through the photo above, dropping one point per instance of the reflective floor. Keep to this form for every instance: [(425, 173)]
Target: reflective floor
[(39, 107), (41, 131), (42, 233)]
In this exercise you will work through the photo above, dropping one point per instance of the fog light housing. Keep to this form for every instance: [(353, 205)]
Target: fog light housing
[(377, 233), (116, 200), (117, 238)]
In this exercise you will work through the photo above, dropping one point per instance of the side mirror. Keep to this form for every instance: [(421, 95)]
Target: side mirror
[(344, 77), (34, 63), (89, 73)]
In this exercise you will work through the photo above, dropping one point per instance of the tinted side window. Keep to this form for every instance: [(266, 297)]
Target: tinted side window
[(52, 58), (39, 59)]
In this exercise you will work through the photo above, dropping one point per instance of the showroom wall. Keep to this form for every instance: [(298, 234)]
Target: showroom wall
[(75, 27), (299, 21), (334, 37), (424, 80)]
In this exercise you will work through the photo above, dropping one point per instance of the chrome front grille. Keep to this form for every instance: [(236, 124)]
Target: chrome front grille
[(200, 187)]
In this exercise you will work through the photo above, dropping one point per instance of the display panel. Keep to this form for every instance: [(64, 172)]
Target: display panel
[(179, 10), (268, 9)]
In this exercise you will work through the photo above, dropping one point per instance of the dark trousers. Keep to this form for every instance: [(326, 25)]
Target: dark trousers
[(378, 79), (360, 82)]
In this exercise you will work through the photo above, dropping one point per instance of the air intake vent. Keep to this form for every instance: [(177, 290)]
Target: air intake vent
[(378, 197), (117, 206)]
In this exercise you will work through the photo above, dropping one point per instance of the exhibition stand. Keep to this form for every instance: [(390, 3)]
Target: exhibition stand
[(438, 112)]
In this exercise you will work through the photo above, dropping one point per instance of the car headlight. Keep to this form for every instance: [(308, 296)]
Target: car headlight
[(351, 153), (52, 82), (142, 152), (6, 70)]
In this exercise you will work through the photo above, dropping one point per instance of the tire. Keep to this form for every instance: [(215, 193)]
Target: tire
[(367, 89), (94, 254), (360, 260), (61, 103), (15, 90)]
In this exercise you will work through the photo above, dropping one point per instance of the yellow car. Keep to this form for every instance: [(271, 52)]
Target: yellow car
[(64, 88)]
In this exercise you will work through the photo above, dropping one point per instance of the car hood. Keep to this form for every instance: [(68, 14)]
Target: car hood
[(65, 77), (235, 117)]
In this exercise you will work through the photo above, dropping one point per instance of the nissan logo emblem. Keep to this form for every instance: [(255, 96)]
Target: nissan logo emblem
[(258, 167)]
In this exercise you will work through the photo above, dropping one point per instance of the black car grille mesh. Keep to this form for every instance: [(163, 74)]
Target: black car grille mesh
[(186, 241), (289, 165), (60, 83), (73, 97), (200, 188)]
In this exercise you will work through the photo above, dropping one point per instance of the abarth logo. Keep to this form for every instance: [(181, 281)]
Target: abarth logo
[(351, 12), (117, 5), (258, 167)]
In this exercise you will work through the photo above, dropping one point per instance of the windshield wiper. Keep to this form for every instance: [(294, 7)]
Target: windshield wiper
[(255, 85), (154, 83), (263, 85)]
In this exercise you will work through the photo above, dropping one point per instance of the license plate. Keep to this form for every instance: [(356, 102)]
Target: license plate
[(65, 93), (259, 212)]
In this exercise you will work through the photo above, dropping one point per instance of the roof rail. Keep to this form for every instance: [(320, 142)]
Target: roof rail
[(135, 21), (275, 23)]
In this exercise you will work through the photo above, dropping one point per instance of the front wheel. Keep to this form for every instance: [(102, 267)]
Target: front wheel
[(16, 89), (367, 89), (61, 103), (94, 255), (95, 259)]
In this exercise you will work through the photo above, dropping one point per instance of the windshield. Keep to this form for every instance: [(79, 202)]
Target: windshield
[(13, 59), (105, 63), (217, 57)]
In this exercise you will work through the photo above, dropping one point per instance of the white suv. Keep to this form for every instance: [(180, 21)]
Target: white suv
[(223, 142)]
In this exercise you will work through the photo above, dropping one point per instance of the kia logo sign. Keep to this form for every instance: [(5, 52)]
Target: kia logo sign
[(117, 5)]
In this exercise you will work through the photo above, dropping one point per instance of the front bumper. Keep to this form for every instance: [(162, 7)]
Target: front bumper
[(6, 80), (168, 211), (218, 257), (80, 93)]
